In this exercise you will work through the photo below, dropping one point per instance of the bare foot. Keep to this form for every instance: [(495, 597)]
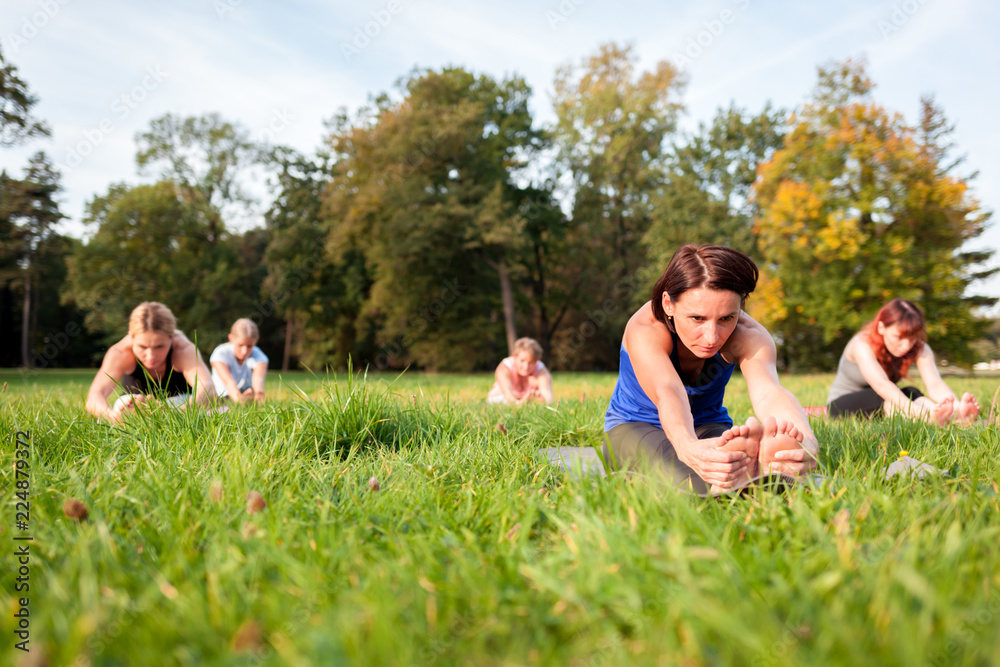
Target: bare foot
[(744, 438), (943, 411), (778, 436), (968, 409)]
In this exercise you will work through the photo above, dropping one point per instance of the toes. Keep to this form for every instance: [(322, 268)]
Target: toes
[(770, 427), (754, 428)]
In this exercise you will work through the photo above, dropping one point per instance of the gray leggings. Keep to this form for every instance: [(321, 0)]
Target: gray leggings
[(865, 403), (646, 448)]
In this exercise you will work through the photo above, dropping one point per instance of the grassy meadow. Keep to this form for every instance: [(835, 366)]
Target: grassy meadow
[(403, 527)]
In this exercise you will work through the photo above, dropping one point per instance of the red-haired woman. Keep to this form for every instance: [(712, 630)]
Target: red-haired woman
[(677, 356), (878, 357)]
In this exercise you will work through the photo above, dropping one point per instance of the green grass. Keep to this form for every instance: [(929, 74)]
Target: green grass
[(473, 550)]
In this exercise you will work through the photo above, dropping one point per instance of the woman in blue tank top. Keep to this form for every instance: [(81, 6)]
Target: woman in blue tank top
[(678, 353)]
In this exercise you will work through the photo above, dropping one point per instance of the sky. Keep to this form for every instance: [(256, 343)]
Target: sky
[(103, 69)]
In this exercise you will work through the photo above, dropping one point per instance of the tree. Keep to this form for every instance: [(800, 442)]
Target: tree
[(424, 188), (613, 123), (706, 198), (856, 209), (17, 124), (207, 158), (29, 213), (150, 244), (320, 304)]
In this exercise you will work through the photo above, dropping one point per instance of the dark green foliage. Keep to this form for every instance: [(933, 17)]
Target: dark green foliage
[(17, 124)]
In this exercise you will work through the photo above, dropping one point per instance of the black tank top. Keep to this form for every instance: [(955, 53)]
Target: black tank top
[(174, 384)]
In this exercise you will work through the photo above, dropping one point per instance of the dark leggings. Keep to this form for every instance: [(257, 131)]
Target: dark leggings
[(644, 447), (865, 403)]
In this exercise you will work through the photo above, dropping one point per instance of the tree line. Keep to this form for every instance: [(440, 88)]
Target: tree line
[(440, 221)]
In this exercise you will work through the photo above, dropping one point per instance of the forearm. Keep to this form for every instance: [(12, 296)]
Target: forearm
[(204, 390), (677, 422), (99, 408), (939, 391), (921, 409), (508, 393), (259, 373)]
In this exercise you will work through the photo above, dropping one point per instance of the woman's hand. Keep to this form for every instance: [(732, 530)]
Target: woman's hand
[(717, 467), (117, 414), (793, 462)]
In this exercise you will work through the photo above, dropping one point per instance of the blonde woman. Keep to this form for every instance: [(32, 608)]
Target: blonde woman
[(153, 360), (522, 377)]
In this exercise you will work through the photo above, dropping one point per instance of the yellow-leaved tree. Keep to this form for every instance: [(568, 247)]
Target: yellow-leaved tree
[(859, 207)]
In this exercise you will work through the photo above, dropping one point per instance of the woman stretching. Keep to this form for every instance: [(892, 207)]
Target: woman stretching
[(677, 356), (153, 360), (522, 377), (879, 356)]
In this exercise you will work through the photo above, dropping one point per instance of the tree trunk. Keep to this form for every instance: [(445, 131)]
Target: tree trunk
[(507, 296), (542, 330), (26, 320), (289, 325)]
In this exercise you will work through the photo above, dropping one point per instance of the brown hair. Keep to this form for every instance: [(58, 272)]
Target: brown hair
[(907, 316), (529, 344), (713, 266), (245, 328), (152, 316)]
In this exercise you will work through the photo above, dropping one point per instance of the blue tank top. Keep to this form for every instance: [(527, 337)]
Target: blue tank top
[(629, 403)]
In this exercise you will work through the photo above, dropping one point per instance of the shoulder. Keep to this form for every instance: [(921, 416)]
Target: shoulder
[(643, 330), (184, 351), (858, 348), (925, 352), (120, 355), (222, 351), (748, 339), (258, 355)]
